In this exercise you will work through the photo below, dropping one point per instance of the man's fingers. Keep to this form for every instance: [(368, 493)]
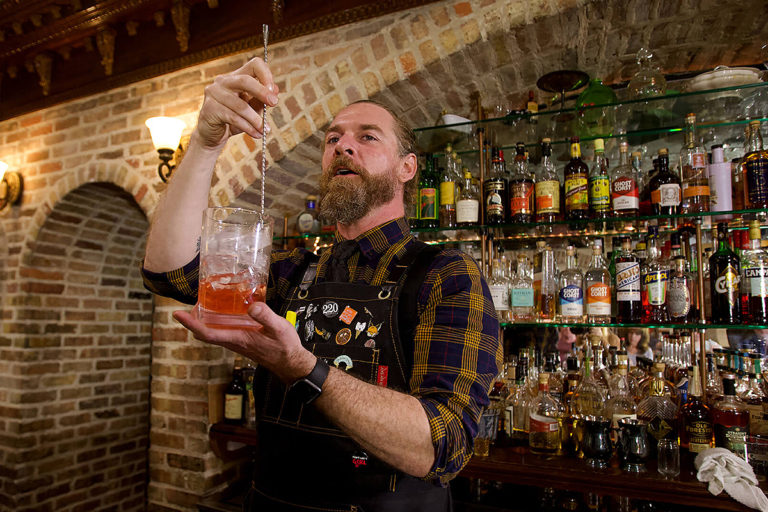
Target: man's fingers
[(266, 317), (259, 70)]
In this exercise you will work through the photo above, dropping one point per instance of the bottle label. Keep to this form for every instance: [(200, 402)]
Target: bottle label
[(467, 211), (727, 283), (233, 407), (625, 194), (547, 196), (693, 191), (494, 200), (757, 277), (757, 180), (599, 299), (733, 438), (659, 428), (699, 435), (666, 195), (628, 281), (576, 192), (698, 160), (571, 301), (522, 297), (447, 189), (428, 203), (599, 193), (500, 295), (540, 423), (522, 197), (678, 298), (305, 222), (655, 284)]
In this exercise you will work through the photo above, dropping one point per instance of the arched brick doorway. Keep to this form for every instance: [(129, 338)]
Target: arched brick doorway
[(85, 375)]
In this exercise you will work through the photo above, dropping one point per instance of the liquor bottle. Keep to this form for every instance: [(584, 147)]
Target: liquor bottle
[(645, 178), (521, 291), (576, 184), (521, 188), (308, 221), (545, 414), (658, 410), (498, 402), (571, 294), (495, 189), (234, 396), (665, 188), (756, 169), (724, 280), (589, 397), (468, 203), (428, 192), (714, 390), (621, 405), (693, 168), (655, 274), (681, 293), (754, 396), (548, 296), (547, 188), (696, 418), (721, 193), (597, 286), (449, 176), (599, 184), (537, 275), (730, 417), (754, 278), (249, 372), (625, 191), (499, 287), (521, 401), (629, 304)]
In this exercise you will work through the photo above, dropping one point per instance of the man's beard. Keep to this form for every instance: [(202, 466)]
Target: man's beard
[(346, 200)]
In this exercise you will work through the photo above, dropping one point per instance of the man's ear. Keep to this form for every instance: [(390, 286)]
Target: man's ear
[(408, 168)]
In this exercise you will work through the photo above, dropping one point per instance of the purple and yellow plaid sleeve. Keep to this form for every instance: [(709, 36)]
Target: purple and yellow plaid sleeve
[(457, 356), (179, 284)]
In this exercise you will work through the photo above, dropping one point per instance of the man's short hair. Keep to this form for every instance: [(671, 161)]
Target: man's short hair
[(406, 144)]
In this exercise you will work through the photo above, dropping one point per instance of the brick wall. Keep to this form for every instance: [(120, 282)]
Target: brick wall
[(420, 62)]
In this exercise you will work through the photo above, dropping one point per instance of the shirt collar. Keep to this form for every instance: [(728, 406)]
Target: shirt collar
[(376, 241)]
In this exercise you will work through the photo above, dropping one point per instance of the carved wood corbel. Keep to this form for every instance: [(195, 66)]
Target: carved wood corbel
[(43, 63), (180, 17), (105, 40)]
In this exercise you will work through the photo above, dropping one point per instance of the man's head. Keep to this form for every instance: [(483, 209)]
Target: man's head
[(368, 162)]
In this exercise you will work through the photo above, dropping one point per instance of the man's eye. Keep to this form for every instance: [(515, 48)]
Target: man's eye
[(332, 140), (368, 136)]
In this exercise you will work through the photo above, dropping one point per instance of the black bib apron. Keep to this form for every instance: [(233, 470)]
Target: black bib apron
[(303, 462)]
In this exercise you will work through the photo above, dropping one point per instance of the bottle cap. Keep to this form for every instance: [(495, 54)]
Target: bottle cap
[(570, 250), (754, 230), (599, 145), (637, 154), (663, 152), (754, 124)]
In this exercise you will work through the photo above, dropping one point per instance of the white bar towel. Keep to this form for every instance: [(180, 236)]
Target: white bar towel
[(726, 471)]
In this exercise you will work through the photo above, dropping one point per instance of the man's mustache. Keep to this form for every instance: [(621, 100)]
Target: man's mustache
[(344, 162)]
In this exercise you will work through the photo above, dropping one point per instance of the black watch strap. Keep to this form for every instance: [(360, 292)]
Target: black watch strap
[(308, 388)]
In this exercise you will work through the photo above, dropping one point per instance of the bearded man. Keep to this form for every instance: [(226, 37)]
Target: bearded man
[(372, 401)]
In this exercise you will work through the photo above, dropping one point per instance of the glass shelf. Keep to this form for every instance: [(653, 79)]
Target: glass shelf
[(656, 119), (628, 325)]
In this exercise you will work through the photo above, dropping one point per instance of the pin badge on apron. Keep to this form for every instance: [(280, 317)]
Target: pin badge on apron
[(359, 327), (330, 309), (343, 336)]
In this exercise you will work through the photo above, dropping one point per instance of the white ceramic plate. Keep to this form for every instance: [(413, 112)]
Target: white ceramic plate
[(723, 76)]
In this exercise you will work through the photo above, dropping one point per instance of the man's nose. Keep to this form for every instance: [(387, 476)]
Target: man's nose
[(345, 146)]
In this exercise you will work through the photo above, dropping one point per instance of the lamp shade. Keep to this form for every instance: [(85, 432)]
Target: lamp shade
[(3, 168), (165, 131)]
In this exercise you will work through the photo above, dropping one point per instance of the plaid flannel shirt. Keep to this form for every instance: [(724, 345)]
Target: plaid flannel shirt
[(457, 353)]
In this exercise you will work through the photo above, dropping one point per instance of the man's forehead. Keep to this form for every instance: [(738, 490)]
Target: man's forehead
[(360, 114)]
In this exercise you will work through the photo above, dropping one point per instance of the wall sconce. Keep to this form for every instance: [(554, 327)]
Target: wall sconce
[(10, 186), (166, 136)]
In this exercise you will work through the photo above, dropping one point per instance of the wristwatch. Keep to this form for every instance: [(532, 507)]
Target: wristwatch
[(308, 388)]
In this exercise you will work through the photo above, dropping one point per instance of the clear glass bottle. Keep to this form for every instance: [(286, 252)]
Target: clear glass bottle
[(547, 189), (696, 433), (521, 291), (589, 397), (448, 180), (731, 419), (658, 410), (571, 294), (693, 169), (621, 405), (521, 403), (625, 187), (545, 415), (548, 298), (521, 188), (499, 287), (681, 293), (599, 184), (648, 81), (754, 277), (756, 169), (597, 288), (468, 203), (308, 220), (655, 272)]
